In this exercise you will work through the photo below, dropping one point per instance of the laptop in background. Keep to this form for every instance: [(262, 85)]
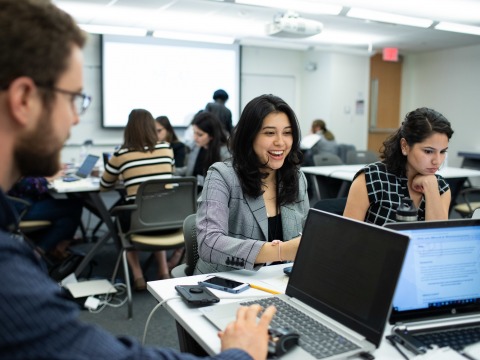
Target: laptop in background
[(438, 292), (84, 170), (343, 278)]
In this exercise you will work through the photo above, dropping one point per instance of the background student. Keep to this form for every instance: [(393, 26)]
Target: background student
[(253, 208), (220, 97), (141, 157), (410, 159), (165, 132), (210, 147), (41, 81), (64, 214)]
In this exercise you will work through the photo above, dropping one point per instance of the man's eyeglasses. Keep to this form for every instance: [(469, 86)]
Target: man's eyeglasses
[(80, 101)]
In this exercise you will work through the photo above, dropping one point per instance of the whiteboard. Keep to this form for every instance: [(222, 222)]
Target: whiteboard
[(253, 85)]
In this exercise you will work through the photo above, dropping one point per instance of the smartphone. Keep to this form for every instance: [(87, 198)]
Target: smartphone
[(219, 283)]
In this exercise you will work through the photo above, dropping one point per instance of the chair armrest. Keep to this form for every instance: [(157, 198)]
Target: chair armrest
[(122, 208), (22, 202)]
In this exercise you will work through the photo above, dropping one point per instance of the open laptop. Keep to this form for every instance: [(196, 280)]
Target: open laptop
[(84, 170), (439, 288), (343, 278)]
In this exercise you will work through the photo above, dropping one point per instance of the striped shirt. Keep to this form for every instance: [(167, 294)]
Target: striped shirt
[(385, 192), (135, 167)]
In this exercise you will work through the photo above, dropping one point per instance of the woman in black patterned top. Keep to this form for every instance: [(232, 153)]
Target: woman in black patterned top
[(410, 159)]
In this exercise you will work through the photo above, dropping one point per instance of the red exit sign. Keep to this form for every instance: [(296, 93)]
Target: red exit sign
[(390, 54)]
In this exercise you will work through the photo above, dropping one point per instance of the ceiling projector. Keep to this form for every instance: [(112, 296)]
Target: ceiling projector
[(291, 25)]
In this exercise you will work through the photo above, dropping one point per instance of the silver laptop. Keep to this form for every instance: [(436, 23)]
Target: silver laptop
[(343, 279), (437, 300), (84, 170)]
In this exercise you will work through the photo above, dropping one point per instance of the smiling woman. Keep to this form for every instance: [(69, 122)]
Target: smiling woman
[(410, 159), (253, 207)]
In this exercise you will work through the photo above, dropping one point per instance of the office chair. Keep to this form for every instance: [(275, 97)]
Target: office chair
[(325, 158), (27, 226), (469, 205), (361, 157), (157, 217), (191, 248)]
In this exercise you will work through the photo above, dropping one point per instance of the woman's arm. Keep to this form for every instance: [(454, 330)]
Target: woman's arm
[(357, 201), (221, 199), (436, 205)]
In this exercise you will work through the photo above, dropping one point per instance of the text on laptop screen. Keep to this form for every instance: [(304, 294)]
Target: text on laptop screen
[(441, 268)]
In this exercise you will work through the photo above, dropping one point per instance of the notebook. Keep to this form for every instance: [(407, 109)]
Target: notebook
[(344, 277), (439, 285), (84, 170)]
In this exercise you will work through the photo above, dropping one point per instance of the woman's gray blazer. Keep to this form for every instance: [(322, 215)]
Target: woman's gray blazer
[(232, 227)]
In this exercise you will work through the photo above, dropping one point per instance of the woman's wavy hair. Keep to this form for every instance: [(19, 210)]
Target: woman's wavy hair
[(418, 125), (140, 131), (246, 163), (209, 123)]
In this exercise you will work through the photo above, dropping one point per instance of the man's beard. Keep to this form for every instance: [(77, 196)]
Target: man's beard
[(34, 155)]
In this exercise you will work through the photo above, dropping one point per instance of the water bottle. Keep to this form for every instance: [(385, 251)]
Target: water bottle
[(84, 151), (406, 211)]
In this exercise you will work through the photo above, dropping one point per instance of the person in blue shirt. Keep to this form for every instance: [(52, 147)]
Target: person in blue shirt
[(41, 97)]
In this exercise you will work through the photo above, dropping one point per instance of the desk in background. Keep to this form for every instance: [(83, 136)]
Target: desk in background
[(471, 160), (197, 335), (321, 175), (89, 191)]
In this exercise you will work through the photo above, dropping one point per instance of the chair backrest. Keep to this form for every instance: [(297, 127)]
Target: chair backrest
[(163, 204), (191, 245), (361, 157), (323, 159), (343, 149)]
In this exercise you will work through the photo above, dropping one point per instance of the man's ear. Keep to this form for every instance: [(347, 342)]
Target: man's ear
[(22, 99)]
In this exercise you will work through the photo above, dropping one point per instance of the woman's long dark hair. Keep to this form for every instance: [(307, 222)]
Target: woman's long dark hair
[(140, 131), (418, 125), (244, 159), (209, 123), (165, 122)]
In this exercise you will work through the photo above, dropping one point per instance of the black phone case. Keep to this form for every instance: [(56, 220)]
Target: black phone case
[(197, 294)]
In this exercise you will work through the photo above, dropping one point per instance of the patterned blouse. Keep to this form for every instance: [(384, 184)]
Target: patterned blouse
[(30, 188), (385, 191)]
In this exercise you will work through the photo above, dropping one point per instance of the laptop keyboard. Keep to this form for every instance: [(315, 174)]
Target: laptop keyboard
[(315, 338), (455, 338)]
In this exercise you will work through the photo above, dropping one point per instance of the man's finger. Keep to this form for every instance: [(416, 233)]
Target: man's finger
[(267, 316)]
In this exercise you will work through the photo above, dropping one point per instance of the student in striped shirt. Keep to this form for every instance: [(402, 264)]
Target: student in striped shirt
[(140, 158)]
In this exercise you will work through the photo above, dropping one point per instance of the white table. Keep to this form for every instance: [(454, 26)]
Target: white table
[(88, 190), (194, 329), (345, 173)]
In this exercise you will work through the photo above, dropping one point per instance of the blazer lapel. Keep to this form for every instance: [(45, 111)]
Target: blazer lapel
[(257, 206)]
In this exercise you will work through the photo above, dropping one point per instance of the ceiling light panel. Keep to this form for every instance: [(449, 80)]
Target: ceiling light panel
[(459, 28), (312, 7), (388, 18)]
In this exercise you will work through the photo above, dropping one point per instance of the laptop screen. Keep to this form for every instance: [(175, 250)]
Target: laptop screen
[(86, 168), (348, 270), (441, 273)]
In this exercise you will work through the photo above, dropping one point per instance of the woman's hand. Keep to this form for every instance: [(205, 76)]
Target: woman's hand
[(422, 183)]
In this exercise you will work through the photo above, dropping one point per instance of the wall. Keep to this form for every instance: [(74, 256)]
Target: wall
[(449, 82), (329, 92)]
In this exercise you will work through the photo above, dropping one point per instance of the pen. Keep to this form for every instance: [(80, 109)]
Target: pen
[(253, 286)]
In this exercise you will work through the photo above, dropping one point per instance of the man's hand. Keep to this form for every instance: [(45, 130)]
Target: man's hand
[(246, 334)]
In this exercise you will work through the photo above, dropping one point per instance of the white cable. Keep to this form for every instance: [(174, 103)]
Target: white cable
[(151, 314)]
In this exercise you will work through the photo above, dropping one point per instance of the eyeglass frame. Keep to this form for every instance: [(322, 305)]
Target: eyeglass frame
[(86, 99)]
